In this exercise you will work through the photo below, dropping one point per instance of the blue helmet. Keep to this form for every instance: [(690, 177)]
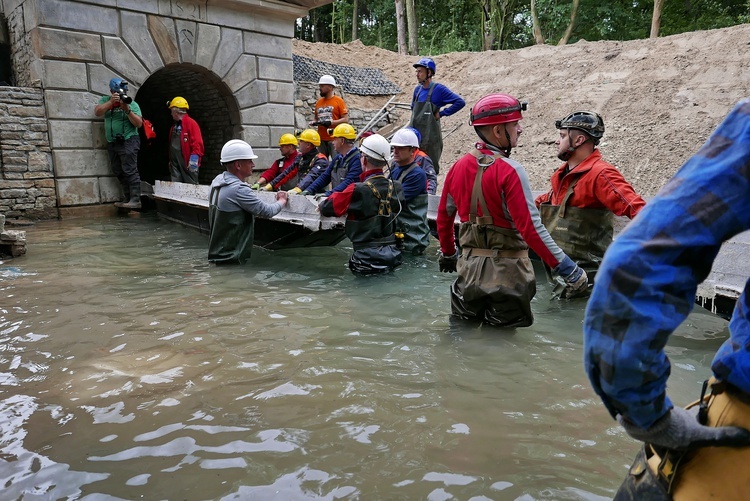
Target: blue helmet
[(426, 62), (115, 84), (416, 132)]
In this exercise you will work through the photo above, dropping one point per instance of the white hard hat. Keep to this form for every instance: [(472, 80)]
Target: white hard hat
[(405, 137), (236, 149), (327, 80), (376, 147)]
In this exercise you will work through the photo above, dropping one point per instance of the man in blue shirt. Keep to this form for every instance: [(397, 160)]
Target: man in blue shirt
[(426, 109), (345, 167), (645, 288), (405, 169)]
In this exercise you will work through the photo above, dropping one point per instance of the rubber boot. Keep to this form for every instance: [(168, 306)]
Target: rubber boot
[(135, 198)]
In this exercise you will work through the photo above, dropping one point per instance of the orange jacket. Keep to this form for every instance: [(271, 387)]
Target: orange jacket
[(600, 186)]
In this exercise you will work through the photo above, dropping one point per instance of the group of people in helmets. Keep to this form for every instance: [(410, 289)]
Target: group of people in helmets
[(383, 186), (500, 220), (644, 288), (348, 185)]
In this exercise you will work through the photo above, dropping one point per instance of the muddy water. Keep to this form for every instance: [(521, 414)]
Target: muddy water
[(130, 368)]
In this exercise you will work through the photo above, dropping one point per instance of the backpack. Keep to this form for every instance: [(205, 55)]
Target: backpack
[(148, 130)]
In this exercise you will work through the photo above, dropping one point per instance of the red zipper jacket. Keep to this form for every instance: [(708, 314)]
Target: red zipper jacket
[(600, 186), (191, 140)]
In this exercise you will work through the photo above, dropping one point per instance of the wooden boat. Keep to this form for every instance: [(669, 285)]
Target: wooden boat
[(299, 224)]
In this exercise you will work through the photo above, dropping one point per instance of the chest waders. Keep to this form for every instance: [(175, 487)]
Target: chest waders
[(413, 219), (230, 240), (178, 171), (303, 167), (423, 119), (583, 234), (702, 473), (339, 173), (372, 230), (496, 280)]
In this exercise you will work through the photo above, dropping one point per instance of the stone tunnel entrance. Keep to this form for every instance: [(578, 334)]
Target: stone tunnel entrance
[(212, 105)]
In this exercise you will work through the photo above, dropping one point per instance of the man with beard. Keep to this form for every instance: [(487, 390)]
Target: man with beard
[(186, 144), (490, 193), (330, 111), (585, 192)]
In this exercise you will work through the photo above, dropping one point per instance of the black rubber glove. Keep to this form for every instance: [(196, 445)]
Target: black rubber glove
[(679, 429), (447, 263)]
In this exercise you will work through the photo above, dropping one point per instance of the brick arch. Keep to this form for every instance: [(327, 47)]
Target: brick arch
[(212, 105)]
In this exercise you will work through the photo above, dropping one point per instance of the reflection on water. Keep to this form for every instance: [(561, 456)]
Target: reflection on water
[(131, 368)]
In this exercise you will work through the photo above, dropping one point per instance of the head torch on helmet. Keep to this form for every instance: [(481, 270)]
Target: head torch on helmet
[(587, 121)]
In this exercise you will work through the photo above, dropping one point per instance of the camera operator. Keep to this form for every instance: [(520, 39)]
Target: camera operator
[(122, 119)]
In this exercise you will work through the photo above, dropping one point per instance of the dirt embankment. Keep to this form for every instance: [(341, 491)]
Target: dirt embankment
[(660, 98)]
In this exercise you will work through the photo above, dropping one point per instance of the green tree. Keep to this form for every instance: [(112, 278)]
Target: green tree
[(476, 25)]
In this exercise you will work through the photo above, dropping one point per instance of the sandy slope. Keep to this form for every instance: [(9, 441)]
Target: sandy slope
[(660, 99)]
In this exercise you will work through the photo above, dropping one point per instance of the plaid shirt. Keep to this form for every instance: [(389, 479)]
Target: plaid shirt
[(647, 283)]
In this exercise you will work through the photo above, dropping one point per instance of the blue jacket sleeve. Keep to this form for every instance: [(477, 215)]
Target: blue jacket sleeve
[(443, 96), (647, 283), (414, 184), (322, 180)]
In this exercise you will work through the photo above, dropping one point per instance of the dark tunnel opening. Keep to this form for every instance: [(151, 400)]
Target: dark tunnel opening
[(211, 104)]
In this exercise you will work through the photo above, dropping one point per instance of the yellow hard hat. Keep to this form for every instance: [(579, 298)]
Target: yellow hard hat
[(344, 130), (179, 102), (287, 139), (310, 136)]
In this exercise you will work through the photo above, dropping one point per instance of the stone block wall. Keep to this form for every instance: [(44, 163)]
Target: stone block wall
[(27, 186), (72, 48)]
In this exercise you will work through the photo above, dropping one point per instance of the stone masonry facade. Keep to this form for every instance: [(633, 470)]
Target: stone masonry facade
[(70, 49), (27, 185)]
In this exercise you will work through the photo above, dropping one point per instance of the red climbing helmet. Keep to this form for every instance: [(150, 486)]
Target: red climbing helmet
[(496, 109)]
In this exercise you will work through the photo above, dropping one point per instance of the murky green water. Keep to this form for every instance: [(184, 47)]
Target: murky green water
[(130, 368)]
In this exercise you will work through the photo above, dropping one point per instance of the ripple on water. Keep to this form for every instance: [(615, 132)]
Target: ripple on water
[(289, 378)]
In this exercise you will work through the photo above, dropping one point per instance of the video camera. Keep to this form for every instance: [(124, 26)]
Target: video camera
[(123, 93)]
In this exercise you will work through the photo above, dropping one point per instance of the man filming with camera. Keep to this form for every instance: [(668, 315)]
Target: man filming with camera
[(122, 119)]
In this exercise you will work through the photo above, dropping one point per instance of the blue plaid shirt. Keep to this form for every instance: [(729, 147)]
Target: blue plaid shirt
[(647, 283)]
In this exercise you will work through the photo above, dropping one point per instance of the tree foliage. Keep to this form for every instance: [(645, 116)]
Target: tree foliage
[(476, 25)]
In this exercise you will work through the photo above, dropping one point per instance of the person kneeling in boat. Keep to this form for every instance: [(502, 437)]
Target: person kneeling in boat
[(308, 165), (233, 205), (288, 148), (371, 206)]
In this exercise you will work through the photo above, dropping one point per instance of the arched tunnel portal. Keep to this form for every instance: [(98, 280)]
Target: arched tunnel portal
[(211, 104)]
